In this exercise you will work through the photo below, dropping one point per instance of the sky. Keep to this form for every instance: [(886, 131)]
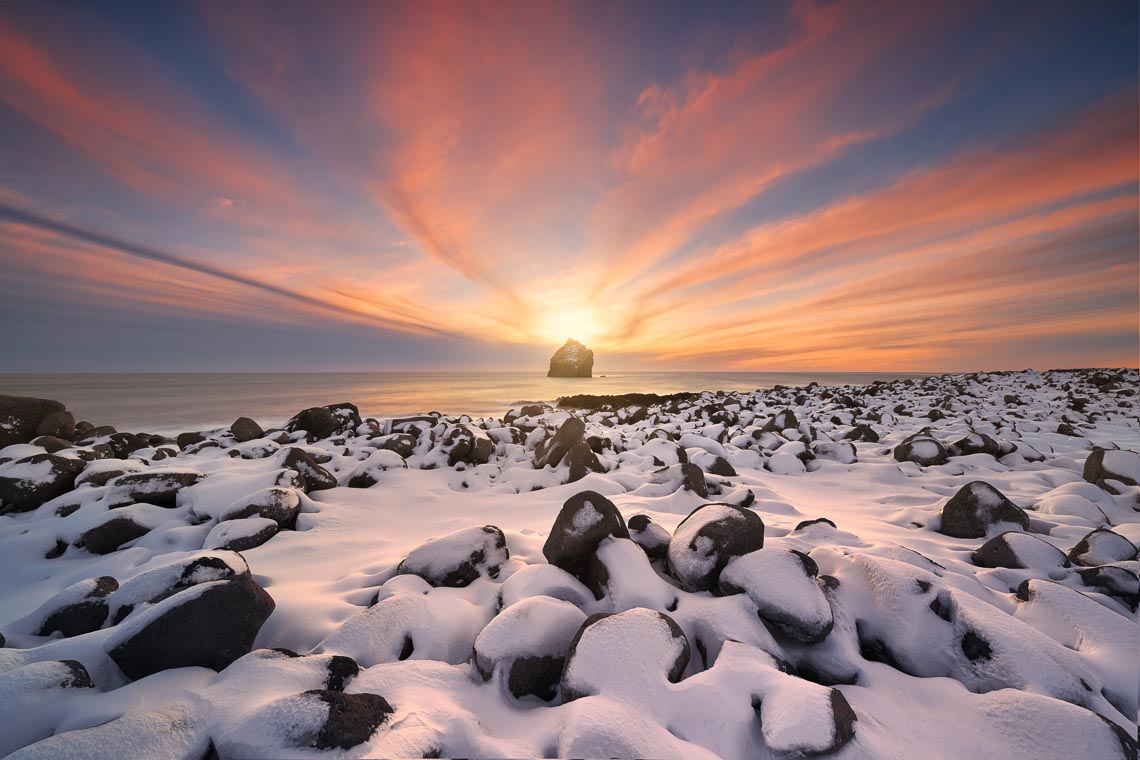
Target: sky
[(773, 186)]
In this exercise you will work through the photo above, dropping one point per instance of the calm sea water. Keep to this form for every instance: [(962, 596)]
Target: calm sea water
[(169, 403)]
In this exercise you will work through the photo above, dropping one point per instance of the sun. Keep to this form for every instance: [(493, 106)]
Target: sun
[(582, 324)]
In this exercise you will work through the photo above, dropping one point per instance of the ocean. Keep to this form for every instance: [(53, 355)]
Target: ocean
[(171, 403)]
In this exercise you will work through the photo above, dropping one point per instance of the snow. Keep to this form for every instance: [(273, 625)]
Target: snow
[(776, 581), (937, 656), (230, 530)]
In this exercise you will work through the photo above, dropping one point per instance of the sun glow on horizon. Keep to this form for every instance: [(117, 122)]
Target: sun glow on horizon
[(583, 324)]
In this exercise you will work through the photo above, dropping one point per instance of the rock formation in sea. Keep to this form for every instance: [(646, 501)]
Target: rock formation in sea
[(572, 360)]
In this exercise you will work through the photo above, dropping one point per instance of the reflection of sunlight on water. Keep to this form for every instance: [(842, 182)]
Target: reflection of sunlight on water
[(173, 403)]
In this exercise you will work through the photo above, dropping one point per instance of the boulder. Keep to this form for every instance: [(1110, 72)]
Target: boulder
[(977, 443), (111, 534), (367, 473), (782, 585), (276, 503), (585, 519), (58, 425), (208, 625), (459, 558), (318, 719), (976, 508), (313, 476), (861, 432), (410, 620), (1018, 550), (157, 487), (553, 449), (186, 440), (403, 444), (922, 450), (707, 539), (30, 482), (244, 429), (693, 479), (1102, 547), (78, 609), (125, 444), (52, 444), (650, 536), (25, 692), (320, 422), (466, 443), (527, 644), (241, 535), (631, 652), (781, 421), (582, 460), (1106, 465), (572, 360), (139, 592), (20, 416)]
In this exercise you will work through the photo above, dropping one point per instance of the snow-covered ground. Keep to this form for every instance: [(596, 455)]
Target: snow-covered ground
[(924, 568)]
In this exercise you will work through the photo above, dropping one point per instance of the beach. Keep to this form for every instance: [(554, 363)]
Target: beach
[(858, 570)]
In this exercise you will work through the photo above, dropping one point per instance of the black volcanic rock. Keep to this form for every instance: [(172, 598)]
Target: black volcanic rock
[(975, 508), (20, 416), (37, 479), (572, 360), (209, 628), (585, 519)]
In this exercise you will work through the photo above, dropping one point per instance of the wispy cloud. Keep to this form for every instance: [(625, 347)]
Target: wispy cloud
[(510, 173)]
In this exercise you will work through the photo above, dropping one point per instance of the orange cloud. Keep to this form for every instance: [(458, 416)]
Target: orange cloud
[(485, 170)]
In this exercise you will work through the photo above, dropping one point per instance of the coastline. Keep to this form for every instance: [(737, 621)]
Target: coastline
[(847, 555)]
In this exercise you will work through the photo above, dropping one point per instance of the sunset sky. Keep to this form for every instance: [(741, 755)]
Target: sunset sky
[(778, 186)]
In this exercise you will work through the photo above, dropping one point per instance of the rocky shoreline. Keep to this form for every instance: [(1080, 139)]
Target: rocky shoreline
[(793, 571)]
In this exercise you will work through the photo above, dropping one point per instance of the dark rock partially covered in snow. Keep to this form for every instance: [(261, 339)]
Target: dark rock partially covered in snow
[(572, 360), (245, 429), (26, 690), (314, 720), (241, 535), (276, 503), (1103, 466), (922, 450), (976, 508), (313, 476), (208, 625), (552, 450), (352, 720), (1102, 547), (20, 416), (585, 519), (782, 585), (78, 609), (650, 536), (1019, 550), (634, 650), (459, 558), (707, 539), (528, 642), (109, 535), (976, 443), (467, 443), (30, 482), (582, 460), (320, 422), (157, 487), (58, 425)]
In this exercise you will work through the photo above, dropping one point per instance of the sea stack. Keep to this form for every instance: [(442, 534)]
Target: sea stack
[(572, 360)]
